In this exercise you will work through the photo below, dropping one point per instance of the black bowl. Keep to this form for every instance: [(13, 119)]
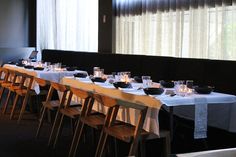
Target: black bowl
[(28, 67), (71, 68), (138, 79), (11, 62), (98, 79), (203, 89), (81, 75), (153, 91), (20, 64), (167, 83), (122, 85), (38, 68)]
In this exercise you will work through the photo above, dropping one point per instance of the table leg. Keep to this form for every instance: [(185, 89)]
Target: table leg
[(171, 122)]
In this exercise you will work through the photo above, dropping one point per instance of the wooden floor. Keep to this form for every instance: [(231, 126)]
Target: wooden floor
[(18, 140)]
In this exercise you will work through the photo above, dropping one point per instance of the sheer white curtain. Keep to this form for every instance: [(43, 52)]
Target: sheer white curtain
[(67, 24), (179, 28)]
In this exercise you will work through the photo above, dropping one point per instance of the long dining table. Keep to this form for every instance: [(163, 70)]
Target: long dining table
[(47, 74), (155, 102), (137, 96)]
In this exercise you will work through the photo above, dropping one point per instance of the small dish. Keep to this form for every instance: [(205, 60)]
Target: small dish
[(203, 89), (28, 67), (153, 91), (138, 79), (98, 79), (122, 85), (38, 68), (81, 75), (71, 68), (167, 83), (11, 62), (20, 64)]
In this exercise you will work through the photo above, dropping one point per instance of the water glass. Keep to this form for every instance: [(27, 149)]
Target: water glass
[(178, 86), (147, 82), (189, 84), (96, 71)]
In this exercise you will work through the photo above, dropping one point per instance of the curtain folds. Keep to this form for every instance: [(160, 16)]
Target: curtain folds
[(179, 28), (67, 25)]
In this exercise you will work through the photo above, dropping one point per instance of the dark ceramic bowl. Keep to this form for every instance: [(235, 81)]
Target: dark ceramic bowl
[(28, 67), (81, 75), (122, 85), (153, 91), (11, 62), (20, 65), (138, 79), (38, 68), (167, 83), (71, 68), (203, 89), (98, 79)]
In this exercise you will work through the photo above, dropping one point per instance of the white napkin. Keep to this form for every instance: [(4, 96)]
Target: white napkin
[(200, 128)]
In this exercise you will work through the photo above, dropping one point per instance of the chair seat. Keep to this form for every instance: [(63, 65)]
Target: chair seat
[(72, 112), (52, 105), (13, 88), (124, 132), (23, 92), (94, 120), (6, 84), (2, 81)]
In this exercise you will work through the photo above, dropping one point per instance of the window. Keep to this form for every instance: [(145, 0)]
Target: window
[(67, 25), (194, 31)]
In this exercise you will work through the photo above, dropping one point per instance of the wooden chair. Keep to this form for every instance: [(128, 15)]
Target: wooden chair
[(71, 111), (44, 88), (3, 77), (24, 91), (91, 119), (3, 72), (51, 105), (133, 134), (11, 83), (124, 131)]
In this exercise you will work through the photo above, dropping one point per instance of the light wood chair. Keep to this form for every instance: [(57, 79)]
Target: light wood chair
[(44, 88), (3, 78), (71, 111), (133, 134), (52, 105), (11, 83), (24, 91), (94, 120)]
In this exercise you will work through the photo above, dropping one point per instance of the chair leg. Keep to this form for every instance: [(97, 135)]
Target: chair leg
[(49, 116), (133, 147), (1, 92), (40, 122), (6, 103), (58, 130), (23, 108), (167, 146), (101, 144), (76, 139), (54, 128), (14, 106), (142, 147)]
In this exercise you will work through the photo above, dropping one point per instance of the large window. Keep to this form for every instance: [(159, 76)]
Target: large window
[(67, 25), (194, 29)]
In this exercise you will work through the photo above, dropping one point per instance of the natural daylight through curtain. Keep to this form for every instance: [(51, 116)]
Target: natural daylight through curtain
[(67, 25), (179, 28)]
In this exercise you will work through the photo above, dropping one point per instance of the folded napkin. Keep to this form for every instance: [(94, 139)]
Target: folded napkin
[(200, 128)]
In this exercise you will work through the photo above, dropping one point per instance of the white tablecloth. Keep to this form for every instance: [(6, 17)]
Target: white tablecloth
[(151, 124), (54, 76)]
